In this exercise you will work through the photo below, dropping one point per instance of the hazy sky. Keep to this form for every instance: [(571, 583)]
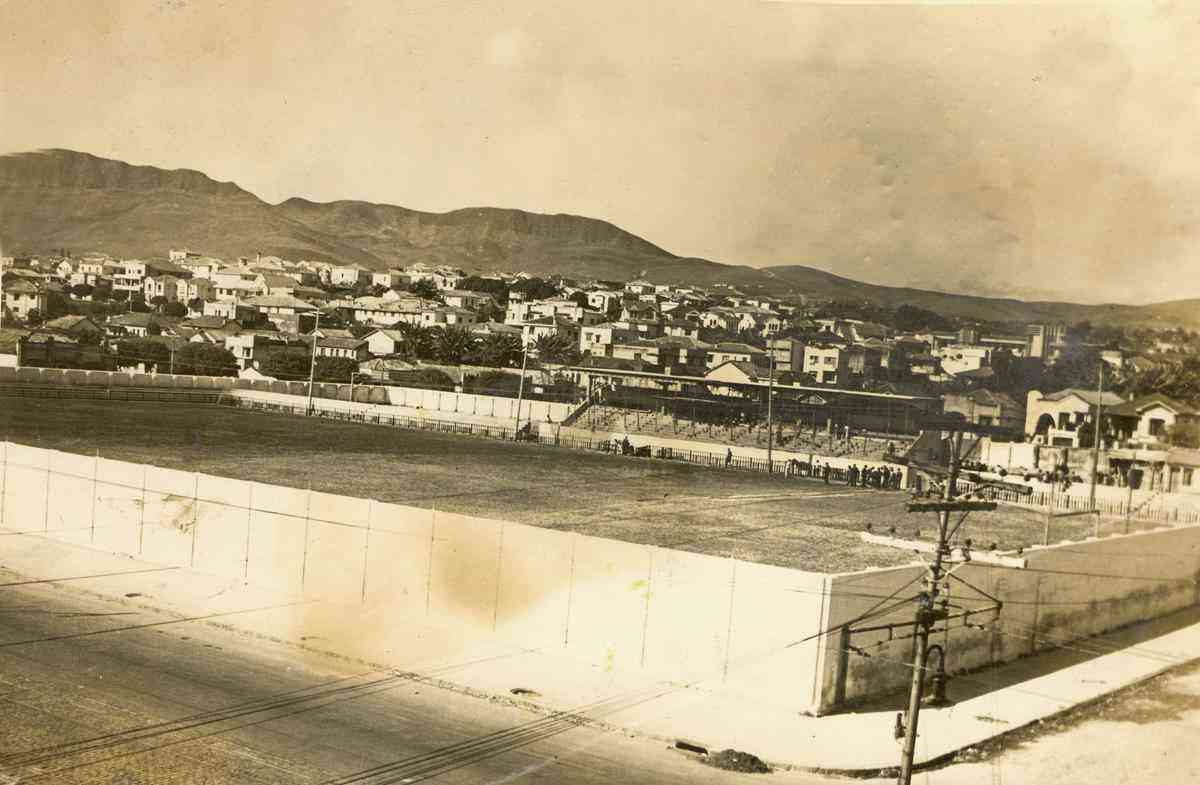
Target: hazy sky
[(1019, 148)]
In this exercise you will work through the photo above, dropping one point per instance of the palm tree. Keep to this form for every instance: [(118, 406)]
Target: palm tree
[(556, 348), (452, 344), (417, 343), (499, 350)]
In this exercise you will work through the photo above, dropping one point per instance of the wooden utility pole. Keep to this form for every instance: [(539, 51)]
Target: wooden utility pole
[(312, 366), (770, 396), (1096, 440), (927, 614), (521, 388)]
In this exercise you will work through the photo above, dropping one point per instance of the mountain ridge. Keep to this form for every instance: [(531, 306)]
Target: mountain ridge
[(59, 198)]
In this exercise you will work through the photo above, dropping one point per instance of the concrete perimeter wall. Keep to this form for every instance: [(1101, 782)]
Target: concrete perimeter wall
[(487, 405), (30, 375), (718, 623), (1066, 592)]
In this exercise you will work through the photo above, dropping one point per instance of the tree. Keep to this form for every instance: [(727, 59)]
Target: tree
[(153, 328), (496, 288), (452, 344), (175, 308), (535, 288), (613, 312), (1184, 435), (82, 290), (56, 305), (1076, 366), (1016, 376), (137, 302), (158, 301), (287, 364), (33, 317), (494, 383), (1179, 380), (426, 289), (378, 290), (153, 355), (205, 359), (101, 294), (580, 299), (120, 295), (557, 348), (196, 305), (430, 379), (416, 342), (335, 369), (910, 318), (499, 350)]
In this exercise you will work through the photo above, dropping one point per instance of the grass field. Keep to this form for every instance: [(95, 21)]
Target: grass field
[(769, 519)]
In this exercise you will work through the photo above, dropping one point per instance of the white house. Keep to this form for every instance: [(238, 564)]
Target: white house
[(383, 342), (348, 275)]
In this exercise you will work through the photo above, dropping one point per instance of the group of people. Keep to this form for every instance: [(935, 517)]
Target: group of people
[(873, 477), (797, 468), (855, 476)]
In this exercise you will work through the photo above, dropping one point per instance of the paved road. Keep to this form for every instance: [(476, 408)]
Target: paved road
[(190, 703)]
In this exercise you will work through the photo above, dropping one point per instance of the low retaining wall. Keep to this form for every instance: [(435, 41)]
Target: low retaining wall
[(487, 405), (1066, 592), (299, 404), (441, 401), (718, 623), (30, 375)]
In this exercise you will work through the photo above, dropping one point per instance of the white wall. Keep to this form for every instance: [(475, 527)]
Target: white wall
[(724, 624)]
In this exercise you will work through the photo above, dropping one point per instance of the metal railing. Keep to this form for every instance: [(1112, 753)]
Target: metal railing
[(1060, 501), (84, 392)]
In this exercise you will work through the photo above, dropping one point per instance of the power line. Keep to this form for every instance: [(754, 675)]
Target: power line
[(128, 628), (83, 577)]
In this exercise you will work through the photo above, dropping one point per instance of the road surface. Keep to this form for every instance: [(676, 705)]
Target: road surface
[(92, 696), (192, 703)]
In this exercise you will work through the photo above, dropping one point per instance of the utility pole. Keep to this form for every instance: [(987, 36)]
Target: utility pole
[(521, 387), (312, 366), (172, 348), (1096, 439), (927, 615), (2, 293), (770, 400)]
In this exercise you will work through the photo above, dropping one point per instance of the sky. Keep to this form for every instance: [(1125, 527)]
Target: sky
[(1043, 150)]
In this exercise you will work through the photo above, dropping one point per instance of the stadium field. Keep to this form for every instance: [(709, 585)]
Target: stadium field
[(788, 522)]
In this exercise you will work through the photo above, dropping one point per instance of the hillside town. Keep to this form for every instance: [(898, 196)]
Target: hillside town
[(687, 360)]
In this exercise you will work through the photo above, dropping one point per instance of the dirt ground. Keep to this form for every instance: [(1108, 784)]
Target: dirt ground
[(797, 523)]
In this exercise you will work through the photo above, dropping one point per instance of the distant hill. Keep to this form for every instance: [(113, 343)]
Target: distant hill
[(53, 199)]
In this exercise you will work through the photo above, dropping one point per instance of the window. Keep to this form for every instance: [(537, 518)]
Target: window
[(1187, 476)]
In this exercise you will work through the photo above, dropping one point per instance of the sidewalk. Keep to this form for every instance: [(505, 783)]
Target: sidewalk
[(630, 701)]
